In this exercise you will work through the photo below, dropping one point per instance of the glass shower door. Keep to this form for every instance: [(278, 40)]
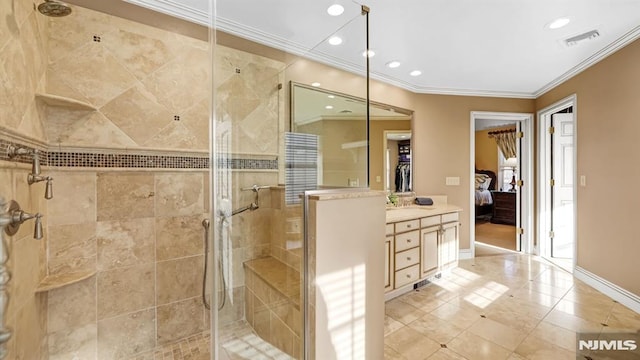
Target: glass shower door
[(259, 262)]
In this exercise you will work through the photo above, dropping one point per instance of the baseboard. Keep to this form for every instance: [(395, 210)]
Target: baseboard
[(612, 290), (465, 254)]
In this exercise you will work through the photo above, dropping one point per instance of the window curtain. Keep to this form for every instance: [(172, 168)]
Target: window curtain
[(506, 141)]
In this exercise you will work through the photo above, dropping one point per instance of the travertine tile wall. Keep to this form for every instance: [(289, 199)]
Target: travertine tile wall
[(138, 229), (149, 87), (286, 230), (141, 232), (22, 73)]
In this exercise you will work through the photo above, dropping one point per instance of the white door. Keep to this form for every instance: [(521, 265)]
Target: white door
[(518, 187), (562, 241)]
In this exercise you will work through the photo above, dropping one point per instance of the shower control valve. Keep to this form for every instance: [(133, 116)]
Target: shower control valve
[(15, 216)]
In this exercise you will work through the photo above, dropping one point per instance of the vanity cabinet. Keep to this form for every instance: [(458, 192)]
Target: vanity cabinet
[(416, 249), (448, 245), (430, 250)]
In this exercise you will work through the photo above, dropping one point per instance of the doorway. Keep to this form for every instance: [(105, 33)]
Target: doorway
[(511, 197), (397, 160), (556, 181)]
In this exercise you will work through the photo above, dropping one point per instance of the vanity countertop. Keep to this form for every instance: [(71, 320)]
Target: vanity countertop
[(396, 214)]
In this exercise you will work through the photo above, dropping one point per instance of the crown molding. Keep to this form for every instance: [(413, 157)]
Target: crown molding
[(621, 42), (200, 17), (175, 9)]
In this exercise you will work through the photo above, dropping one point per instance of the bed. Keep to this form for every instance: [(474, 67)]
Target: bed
[(485, 181)]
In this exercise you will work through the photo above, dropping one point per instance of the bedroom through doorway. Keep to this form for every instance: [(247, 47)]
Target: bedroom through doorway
[(500, 162)]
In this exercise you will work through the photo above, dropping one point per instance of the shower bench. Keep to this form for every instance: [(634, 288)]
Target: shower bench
[(272, 302)]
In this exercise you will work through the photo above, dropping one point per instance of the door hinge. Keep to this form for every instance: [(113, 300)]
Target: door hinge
[(519, 134), (552, 182), (551, 234), (552, 130), (520, 183), (520, 231)]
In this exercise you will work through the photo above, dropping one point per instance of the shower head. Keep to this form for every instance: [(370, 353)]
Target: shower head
[(54, 8)]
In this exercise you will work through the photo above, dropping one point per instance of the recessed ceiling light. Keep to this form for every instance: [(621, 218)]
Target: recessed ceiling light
[(415, 73), (315, 84), (370, 53), (331, 96), (558, 23), (328, 107), (393, 64), (335, 10), (335, 40)]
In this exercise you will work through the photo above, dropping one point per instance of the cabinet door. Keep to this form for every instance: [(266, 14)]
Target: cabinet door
[(388, 264), (429, 261), (449, 244)]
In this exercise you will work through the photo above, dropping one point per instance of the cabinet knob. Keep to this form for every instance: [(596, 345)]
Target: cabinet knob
[(408, 259), (408, 226), (408, 240), (408, 276)]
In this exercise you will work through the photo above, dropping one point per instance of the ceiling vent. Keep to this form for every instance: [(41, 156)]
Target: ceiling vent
[(589, 35)]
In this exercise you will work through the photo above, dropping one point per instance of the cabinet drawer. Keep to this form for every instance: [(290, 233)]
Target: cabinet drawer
[(389, 229), (407, 240), (407, 258), (407, 276), (450, 217), (430, 221), (407, 225)]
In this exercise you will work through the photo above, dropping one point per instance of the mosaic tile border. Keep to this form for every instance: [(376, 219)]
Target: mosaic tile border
[(136, 161)]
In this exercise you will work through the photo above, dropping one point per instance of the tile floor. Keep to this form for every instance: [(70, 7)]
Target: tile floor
[(239, 342), (195, 347), (503, 306), (509, 306)]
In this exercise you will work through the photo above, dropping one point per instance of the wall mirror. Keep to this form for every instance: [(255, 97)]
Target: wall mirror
[(346, 156)]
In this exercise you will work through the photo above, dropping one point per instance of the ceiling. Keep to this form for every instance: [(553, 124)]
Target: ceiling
[(464, 47)]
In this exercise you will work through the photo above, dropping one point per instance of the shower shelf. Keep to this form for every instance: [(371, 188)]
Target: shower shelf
[(59, 280), (65, 102)]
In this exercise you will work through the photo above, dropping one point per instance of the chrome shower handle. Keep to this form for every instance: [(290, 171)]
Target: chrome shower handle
[(17, 216), (13, 151)]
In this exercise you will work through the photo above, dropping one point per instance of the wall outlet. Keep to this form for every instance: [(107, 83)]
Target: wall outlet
[(583, 180), (378, 178), (452, 180)]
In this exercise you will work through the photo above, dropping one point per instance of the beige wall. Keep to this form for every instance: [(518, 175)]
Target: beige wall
[(440, 127), (487, 150), (441, 137), (607, 133)]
